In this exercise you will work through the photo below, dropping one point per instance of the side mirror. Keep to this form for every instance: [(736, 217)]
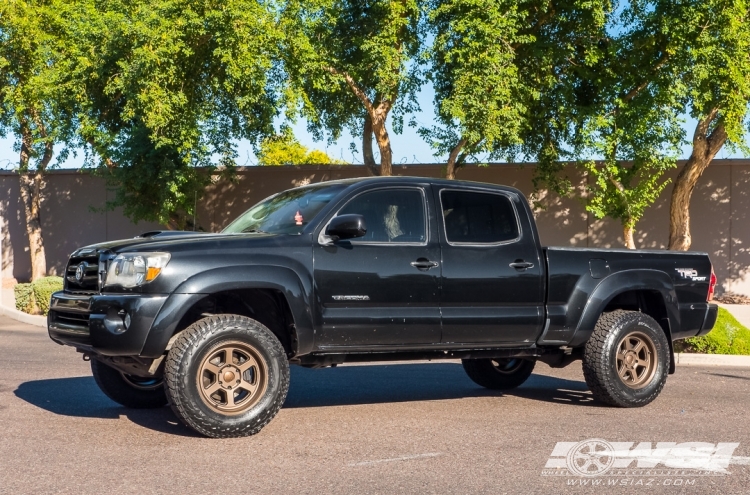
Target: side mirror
[(346, 227)]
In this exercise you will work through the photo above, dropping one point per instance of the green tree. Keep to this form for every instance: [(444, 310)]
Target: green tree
[(628, 110), (285, 149), (479, 94), (546, 81), (35, 103), (653, 62), (350, 64), (713, 57), (599, 102), (170, 86)]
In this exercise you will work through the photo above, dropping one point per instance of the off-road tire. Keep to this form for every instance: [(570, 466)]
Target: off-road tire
[(194, 345), (499, 374), (129, 391), (600, 363)]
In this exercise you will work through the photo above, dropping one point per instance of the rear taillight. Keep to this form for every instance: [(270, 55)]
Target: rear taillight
[(711, 286)]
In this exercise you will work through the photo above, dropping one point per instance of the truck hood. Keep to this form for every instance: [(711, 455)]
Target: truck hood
[(168, 241)]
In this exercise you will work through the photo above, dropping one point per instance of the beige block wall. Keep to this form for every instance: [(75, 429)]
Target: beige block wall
[(720, 211)]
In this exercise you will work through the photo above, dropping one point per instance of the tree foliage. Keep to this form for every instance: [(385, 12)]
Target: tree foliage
[(285, 149), (479, 93), (170, 86), (36, 102), (351, 63), (629, 116), (646, 66), (713, 56), (160, 91)]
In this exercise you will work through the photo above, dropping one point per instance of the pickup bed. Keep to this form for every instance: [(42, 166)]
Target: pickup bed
[(370, 269)]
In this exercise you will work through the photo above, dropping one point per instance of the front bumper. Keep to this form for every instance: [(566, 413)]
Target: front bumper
[(97, 323)]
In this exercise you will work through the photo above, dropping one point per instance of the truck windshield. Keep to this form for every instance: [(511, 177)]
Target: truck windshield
[(287, 212)]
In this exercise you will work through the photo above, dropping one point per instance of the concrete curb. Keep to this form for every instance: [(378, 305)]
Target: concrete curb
[(689, 359), (37, 321)]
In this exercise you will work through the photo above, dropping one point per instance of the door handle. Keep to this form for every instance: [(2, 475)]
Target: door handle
[(521, 265), (424, 264)]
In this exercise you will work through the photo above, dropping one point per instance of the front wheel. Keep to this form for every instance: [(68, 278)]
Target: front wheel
[(626, 359), (499, 374), (226, 376), (129, 390)]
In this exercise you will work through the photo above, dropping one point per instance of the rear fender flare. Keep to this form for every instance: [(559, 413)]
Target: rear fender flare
[(624, 281)]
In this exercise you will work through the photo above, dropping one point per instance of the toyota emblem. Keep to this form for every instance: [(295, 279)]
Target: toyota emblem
[(81, 271)]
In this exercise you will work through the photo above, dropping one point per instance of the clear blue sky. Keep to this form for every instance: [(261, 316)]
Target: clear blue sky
[(407, 147)]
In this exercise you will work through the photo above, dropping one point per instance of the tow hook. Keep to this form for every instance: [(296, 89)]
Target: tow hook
[(86, 356)]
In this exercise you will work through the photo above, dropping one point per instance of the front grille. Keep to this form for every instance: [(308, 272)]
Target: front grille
[(69, 327), (73, 319), (89, 282)]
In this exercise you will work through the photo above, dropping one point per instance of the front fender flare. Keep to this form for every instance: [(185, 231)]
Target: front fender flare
[(295, 289)]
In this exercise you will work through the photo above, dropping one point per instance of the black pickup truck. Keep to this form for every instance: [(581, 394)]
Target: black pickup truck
[(372, 269)]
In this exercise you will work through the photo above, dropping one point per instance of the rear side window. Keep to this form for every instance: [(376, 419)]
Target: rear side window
[(391, 215), (478, 218)]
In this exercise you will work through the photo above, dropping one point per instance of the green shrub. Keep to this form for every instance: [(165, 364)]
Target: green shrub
[(34, 298), (24, 298), (43, 289), (729, 336)]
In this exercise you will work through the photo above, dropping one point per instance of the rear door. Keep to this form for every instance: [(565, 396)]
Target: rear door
[(492, 273), (382, 289)]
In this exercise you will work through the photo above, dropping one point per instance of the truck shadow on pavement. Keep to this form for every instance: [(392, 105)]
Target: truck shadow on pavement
[(384, 383), (345, 385), (80, 397)]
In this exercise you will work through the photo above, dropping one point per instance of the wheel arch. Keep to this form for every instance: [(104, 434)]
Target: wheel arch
[(252, 291), (649, 291)]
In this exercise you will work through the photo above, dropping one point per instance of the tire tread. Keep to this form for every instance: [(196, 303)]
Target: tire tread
[(186, 409), (597, 368)]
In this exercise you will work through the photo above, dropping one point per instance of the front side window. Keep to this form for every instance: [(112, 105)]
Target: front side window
[(287, 212), (393, 215), (478, 218)]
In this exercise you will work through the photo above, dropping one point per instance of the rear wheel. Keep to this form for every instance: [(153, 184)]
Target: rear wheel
[(499, 374), (129, 390), (626, 360), (226, 376)]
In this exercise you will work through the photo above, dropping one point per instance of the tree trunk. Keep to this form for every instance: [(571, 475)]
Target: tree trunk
[(450, 170), (705, 147), (31, 196), (384, 144), (367, 154), (628, 229)]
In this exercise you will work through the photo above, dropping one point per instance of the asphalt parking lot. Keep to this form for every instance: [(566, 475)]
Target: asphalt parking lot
[(398, 428)]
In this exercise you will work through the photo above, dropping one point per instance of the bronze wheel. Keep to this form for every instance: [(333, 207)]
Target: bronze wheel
[(226, 376), (232, 377), (626, 359), (636, 360)]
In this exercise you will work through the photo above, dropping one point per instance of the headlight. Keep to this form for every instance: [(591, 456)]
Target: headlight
[(135, 269)]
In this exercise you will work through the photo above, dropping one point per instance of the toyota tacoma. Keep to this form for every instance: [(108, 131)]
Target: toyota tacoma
[(372, 269)]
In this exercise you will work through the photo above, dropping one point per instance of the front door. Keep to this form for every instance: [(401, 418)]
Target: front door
[(492, 286), (381, 289)]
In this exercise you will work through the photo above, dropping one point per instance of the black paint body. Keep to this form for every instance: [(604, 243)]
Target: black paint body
[(426, 298)]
